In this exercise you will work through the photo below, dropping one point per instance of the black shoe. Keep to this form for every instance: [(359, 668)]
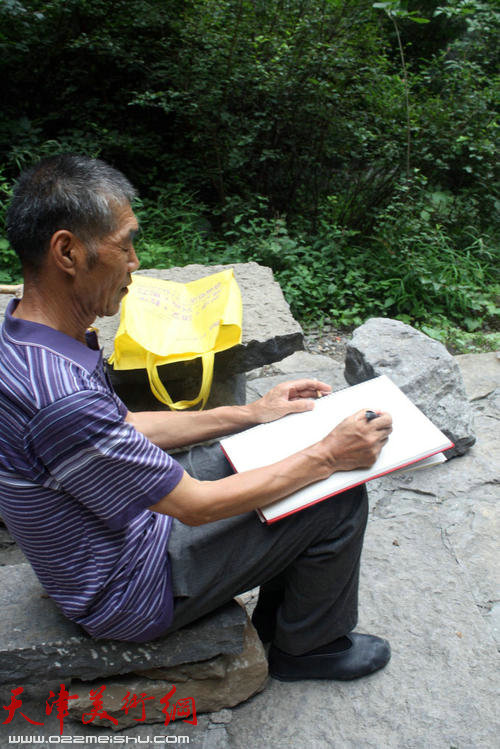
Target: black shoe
[(364, 655)]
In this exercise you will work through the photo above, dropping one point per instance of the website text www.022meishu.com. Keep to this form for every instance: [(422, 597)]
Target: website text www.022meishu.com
[(100, 739)]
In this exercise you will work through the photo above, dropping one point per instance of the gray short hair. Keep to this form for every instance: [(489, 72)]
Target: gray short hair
[(67, 191)]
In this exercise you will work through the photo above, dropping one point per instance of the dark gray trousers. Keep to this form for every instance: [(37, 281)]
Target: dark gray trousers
[(309, 561)]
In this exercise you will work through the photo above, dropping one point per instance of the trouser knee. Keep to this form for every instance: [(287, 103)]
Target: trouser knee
[(347, 508)]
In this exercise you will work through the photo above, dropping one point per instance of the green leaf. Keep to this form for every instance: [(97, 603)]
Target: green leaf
[(418, 19)]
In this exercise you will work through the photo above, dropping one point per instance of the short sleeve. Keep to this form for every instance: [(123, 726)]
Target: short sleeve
[(82, 443)]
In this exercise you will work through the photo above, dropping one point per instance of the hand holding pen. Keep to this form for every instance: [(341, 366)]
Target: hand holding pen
[(357, 441)]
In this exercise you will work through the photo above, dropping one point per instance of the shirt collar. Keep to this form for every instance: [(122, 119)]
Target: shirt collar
[(36, 334)]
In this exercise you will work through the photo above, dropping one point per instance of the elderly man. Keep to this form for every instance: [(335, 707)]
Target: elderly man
[(128, 541)]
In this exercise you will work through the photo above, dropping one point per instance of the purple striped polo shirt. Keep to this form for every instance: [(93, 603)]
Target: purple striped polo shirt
[(76, 481)]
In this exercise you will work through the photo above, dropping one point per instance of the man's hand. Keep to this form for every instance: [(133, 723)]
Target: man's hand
[(354, 443), (287, 398), (357, 442)]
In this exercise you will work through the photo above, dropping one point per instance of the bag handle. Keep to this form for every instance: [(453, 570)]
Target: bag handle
[(160, 392)]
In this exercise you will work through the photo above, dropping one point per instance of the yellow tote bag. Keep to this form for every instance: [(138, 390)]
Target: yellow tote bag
[(164, 322)]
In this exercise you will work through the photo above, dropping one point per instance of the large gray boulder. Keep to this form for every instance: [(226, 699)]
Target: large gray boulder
[(421, 367), (269, 333)]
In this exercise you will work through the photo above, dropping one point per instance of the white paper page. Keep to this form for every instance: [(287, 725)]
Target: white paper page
[(413, 437)]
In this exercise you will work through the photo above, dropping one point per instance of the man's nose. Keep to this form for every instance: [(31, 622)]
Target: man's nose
[(133, 261)]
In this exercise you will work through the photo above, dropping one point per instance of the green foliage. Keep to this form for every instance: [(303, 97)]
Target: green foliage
[(294, 101), (410, 268), (398, 9), (350, 146), (10, 267), (459, 341), (173, 228)]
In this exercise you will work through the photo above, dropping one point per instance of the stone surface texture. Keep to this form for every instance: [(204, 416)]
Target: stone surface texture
[(480, 372), (36, 638), (298, 365), (429, 582), (215, 685), (421, 367)]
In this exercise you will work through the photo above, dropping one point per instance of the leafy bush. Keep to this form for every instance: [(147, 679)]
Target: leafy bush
[(352, 150), (10, 267)]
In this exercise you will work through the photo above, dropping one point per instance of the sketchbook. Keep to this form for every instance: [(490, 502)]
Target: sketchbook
[(414, 438)]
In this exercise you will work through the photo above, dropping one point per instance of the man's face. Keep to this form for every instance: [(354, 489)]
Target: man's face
[(108, 275)]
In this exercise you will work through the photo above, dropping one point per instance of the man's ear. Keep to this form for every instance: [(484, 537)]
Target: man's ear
[(65, 250)]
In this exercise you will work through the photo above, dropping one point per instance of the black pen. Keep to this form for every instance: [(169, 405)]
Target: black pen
[(369, 415)]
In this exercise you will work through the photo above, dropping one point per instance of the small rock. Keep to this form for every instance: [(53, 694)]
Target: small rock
[(422, 367)]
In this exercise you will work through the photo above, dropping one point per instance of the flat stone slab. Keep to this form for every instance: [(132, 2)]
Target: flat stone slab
[(10, 552), (269, 330), (36, 639), (269, 334)]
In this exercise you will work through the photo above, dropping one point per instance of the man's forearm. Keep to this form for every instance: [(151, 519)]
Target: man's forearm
[(172, 429), (196, 502), (354, 443)]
